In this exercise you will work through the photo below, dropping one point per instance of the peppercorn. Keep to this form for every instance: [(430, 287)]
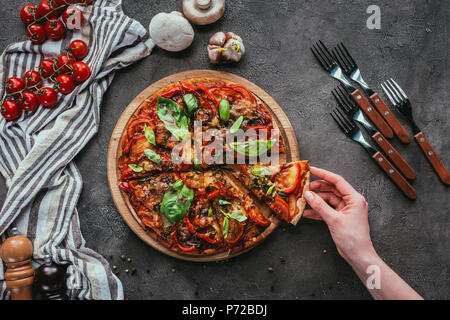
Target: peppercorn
[(129, 259), (126, 270), (270, 269), (122, 257)]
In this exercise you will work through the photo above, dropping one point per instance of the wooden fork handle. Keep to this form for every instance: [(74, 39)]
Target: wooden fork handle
[(390, 118), (369, 110), (395, 156), (394, 175), (437, 164)]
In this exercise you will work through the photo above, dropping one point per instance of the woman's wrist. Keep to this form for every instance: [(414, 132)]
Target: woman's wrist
[(363, 259)]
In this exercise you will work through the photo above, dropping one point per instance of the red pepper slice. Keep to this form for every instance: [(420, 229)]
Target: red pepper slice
[(177, 176), (258, 128), (125, 173), (208, 239), (213, 194), (208, 94), (131, 142), (189, 224), (183, 248), (124, 186), (170, 93)]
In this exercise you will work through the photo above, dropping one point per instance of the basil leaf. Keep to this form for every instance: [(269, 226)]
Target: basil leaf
[(252, 148), (173, 117), (269, 192), (190, 101), (210, 213), (152, 155), (150, 135), (135, 167), (237, 215), (262, 171), (235, 127), (225, 227), (176, 202), (223, 202), (224, 110)]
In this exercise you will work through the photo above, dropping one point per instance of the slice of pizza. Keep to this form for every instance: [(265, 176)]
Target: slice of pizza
[(281, 187)]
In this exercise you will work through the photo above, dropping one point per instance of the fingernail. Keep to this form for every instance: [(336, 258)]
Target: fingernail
[(309, 196)]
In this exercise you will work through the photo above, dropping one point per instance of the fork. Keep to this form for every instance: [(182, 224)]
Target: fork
[(326, 60), (353, 132), (401, 101), (351, 110), (351, 70)]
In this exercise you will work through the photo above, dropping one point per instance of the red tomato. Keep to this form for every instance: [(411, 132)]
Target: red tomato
[(81, 71), (54, 29), (86, 1), (70, 13), (259, 218), (14, 85), (65, 83), (65, 60), (10, 110), (28, 14), (47, 67), (36, 33), (45, 7), (281, 208), (31, 78), (78, 48), (28, 101), (47, 97), (63, 2), (287, 180)]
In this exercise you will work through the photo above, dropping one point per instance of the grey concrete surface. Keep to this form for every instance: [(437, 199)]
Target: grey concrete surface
[(412, 236)]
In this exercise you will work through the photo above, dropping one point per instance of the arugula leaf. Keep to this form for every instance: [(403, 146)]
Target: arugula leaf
[(135, 167), (190, 101), (261, 171), (173, 117), (223, 202), (235, 127), (252, 148), (224, 110), (176, 202), (150, 135), (152, 155), (270, 190), (225, 227)]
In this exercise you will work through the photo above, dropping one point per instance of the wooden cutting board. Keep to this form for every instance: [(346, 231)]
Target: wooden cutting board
[(121, 200)]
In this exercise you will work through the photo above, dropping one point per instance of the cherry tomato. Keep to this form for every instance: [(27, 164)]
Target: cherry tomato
[(78, 48), (36, 33), (81, 71), (65, 83), (70, 13), (28, 101), (14, 85), (63, 2), (45, 7), (66, 59), (28, 14), (47, 97), (47, 67), (86, 1), (54, 29), (10, 110), (31, 78)]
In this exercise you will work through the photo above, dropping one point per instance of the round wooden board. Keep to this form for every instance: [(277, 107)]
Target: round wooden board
[(121, 200)]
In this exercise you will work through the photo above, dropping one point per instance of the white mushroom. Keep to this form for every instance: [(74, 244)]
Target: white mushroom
[(227, 47), (171, 31), (203, 12)]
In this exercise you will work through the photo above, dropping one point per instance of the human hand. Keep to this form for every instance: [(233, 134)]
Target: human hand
[(344, 210)]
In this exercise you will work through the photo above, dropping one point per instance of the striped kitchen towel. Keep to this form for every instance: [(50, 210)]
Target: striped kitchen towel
[(37, 150)]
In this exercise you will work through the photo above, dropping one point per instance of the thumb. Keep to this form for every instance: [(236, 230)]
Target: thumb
[(326, 212)]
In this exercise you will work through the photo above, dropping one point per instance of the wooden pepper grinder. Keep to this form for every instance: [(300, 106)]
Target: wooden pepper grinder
[(16, 252), (51, 280)]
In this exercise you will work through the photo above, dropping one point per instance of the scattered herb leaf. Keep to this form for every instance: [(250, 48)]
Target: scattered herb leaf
[(152, 155), (135, 167)]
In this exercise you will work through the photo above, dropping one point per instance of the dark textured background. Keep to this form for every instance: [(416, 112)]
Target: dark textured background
[(412, 236)]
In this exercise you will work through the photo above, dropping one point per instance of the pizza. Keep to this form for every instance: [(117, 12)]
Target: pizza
[(196, 162)]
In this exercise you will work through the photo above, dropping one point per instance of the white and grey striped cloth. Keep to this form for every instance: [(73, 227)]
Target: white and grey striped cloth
[(36, 151)]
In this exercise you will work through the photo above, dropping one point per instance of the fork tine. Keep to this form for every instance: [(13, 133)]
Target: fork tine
[(399, 89), (350, 102), (391, 95), (325, 64), (336, 119), (339, 58), (347, 55), (342, 121), (341, 100), (350, 123)]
